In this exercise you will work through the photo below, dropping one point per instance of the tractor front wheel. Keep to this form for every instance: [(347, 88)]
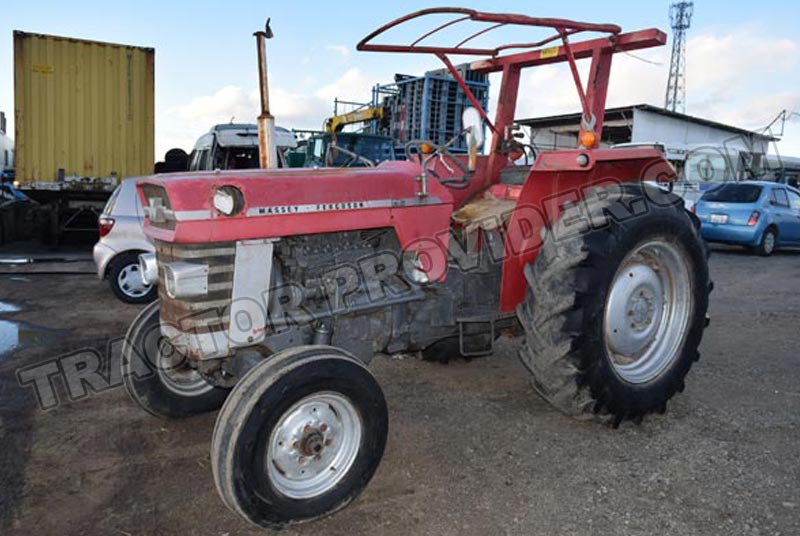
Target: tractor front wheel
[(615, 311), (158, 377), (300, 436)]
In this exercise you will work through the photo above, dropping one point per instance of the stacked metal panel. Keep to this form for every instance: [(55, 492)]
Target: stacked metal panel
[(429, 107)]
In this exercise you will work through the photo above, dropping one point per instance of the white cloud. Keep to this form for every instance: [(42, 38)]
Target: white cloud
[(755, 111), (550, 90), (720, 62), (732, 78), (229, 102), (735, 78), (353, 85), (185, 123), (339, 49)]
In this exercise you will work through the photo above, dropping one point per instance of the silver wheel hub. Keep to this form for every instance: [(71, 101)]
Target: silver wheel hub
[(769, 242), (647, 311), (175, 373), (634, 309), (313, 445), (130, 281)]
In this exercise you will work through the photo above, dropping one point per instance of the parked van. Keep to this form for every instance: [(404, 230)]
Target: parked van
[(235, 146)]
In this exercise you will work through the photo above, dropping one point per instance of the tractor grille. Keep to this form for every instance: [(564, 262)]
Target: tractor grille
[(204, 313)]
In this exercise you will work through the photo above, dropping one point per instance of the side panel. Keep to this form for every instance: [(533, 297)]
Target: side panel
[(555, 180), (82, 106), (251, 281)]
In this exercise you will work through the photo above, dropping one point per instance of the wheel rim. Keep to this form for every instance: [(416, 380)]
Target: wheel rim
[(176, 374), (769, 241), (129, 280), (648, 311), (313, 445)]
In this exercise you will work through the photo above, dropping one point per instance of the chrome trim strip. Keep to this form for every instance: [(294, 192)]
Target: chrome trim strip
[(197, 253), (279, 210), (276, 210), (192, 215)]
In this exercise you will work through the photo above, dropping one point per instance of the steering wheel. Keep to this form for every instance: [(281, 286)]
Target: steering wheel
[(442, 152), (352, 157)]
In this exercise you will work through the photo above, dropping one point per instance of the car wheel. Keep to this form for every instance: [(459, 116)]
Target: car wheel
[(126, 280), (768, 242)]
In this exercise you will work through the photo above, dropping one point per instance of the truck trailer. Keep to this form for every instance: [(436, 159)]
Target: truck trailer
[(84, 120)]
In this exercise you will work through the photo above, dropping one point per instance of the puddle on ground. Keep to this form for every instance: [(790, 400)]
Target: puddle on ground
[(17, 335), (6, 307)]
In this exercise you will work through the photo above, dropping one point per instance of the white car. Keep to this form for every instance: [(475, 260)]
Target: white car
[(122, 239)]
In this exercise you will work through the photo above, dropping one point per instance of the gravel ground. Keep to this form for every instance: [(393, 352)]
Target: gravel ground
[(472, 450)]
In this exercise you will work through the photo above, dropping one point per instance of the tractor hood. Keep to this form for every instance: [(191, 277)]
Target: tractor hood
[(284, 202)]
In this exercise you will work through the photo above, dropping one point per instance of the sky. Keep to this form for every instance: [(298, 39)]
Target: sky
[(743, 60)]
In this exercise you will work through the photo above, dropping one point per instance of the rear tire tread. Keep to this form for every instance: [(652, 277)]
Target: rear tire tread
[(557, 349)]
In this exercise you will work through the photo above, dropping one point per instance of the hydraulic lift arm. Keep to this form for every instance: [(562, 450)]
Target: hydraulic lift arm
[(338, 122)]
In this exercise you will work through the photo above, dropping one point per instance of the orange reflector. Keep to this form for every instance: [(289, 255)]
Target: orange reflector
[(588, 139), (427, 148)]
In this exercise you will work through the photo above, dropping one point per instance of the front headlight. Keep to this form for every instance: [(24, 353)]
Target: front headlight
[(148, 267), (185, 280), (228, 200)]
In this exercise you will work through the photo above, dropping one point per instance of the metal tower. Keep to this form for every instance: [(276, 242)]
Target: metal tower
[(680, 16)]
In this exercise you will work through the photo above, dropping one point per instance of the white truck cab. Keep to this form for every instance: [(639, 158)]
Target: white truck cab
[(235, 146)]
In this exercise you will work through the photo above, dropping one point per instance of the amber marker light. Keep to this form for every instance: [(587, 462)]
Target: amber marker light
[(588, 139)]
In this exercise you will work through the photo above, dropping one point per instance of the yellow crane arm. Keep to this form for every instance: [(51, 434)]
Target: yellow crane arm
[(337, 122)]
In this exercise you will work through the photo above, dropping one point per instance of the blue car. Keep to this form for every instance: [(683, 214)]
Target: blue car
[(759, 215)]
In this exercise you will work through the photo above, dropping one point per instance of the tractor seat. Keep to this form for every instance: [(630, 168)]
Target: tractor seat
[(487, 213)]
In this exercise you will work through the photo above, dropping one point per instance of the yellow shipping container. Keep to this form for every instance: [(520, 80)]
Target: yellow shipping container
[(82, 106)]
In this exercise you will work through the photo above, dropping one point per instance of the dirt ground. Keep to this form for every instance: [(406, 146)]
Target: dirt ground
[(472, 450)]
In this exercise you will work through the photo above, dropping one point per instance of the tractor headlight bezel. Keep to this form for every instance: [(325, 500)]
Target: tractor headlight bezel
[(228, 200)]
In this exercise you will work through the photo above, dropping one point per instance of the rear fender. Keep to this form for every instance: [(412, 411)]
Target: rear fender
[(557, 179)]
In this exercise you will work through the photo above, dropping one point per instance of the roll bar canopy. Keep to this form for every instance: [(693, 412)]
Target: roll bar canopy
[(564, 28), (554, 48)]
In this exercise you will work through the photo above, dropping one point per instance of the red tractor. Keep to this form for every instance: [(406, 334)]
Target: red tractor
[(277, 287)]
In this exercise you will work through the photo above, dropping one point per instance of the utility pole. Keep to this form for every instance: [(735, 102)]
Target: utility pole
[(680, 16)]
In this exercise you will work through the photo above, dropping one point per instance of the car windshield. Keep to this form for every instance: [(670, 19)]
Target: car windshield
[(376, 150), (238, 158), (734, 193)]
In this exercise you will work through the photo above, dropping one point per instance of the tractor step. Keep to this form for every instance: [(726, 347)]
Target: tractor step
[(470, 350)]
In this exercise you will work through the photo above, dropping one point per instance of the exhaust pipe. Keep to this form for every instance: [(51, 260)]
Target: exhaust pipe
[(267, 152)]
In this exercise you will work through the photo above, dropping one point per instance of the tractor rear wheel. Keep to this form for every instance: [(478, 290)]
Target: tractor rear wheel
[(616, 304)]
